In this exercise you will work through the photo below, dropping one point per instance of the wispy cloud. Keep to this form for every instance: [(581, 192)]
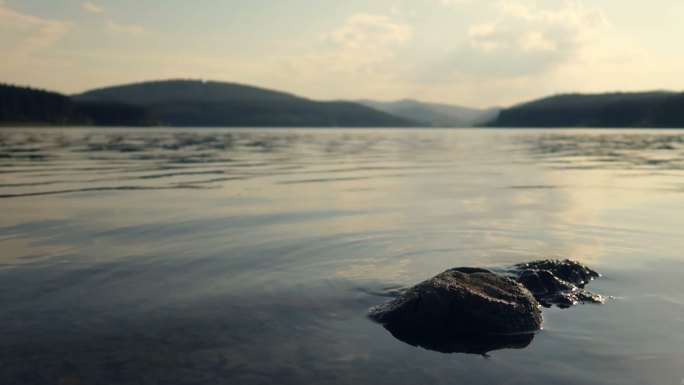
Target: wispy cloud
[(524, 39), (92, 8), (359, 49), (124, 29), (363, 50), (452, 3), (23, 36), (363, 30)]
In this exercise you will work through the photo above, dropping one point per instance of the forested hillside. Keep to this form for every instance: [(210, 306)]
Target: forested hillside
[(199, 103), (23, 106), (646, 109)]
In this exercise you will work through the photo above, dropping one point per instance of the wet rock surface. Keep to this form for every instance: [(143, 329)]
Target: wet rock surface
[(474, 310), (557, 282)]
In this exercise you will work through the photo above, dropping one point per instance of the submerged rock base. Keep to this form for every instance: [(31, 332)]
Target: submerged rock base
[(460, 342)]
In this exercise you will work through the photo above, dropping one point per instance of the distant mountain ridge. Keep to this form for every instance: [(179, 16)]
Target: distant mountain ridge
[(189, 103), (618, 109), (200, 103), (435, 114)]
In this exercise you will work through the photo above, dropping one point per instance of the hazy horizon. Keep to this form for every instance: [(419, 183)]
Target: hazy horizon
[(461, 52)]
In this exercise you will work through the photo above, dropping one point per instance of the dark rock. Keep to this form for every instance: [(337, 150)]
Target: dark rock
[(541, 282), (556, 282), (567, 270), (460, 301), (473, 310)]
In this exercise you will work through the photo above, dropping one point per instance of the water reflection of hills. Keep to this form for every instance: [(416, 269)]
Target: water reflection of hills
[(611, 150)]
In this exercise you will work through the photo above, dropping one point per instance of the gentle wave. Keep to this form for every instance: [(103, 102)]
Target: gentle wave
[(77, 160)]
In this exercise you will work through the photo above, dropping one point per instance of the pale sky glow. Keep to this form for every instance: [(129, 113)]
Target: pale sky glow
[(476, 53)]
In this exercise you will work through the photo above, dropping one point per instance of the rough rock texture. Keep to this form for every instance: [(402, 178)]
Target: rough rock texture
[(557, 282), (461, 301)]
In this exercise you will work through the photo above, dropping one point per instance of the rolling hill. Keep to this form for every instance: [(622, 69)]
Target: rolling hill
[(639, 109), (199, 103)]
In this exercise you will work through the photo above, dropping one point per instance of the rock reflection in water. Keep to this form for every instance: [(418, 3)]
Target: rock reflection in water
[(469, 343)]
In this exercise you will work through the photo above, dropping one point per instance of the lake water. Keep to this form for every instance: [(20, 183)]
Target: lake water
[(161, 256)]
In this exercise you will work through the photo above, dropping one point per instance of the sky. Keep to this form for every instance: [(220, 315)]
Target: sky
[(477, 53)]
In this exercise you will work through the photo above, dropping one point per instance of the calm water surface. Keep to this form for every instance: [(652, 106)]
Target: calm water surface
[(250, 256)]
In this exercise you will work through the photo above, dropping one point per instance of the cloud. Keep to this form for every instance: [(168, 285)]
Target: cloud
[(452, 3), (524, 39), (23, 37), (124, 29), (355, 49), (366, 30), (363, 49), (92, 8)]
